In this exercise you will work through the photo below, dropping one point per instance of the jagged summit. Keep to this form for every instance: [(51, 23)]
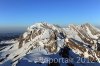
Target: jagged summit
[(45, 40)]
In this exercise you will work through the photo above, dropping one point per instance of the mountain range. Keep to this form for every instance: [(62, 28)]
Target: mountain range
[(43, 42)]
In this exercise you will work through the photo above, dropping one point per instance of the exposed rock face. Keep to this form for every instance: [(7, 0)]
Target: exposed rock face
[(64, 52), (49, 39)]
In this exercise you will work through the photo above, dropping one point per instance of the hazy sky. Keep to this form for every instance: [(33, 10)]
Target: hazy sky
[(20, 13)]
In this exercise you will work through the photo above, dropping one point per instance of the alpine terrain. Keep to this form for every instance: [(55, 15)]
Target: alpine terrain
[(46, 44)]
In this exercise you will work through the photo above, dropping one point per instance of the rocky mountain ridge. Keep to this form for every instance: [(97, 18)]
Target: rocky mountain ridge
[(47, 39)]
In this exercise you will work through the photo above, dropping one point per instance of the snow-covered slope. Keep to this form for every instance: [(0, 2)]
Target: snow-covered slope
[(43, 40)]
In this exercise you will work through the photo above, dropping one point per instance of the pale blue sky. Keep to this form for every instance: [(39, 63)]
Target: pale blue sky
[(21, 13)]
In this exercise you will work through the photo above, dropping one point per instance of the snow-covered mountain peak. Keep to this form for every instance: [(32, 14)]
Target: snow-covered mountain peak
[(44, 40), (42, 25)]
